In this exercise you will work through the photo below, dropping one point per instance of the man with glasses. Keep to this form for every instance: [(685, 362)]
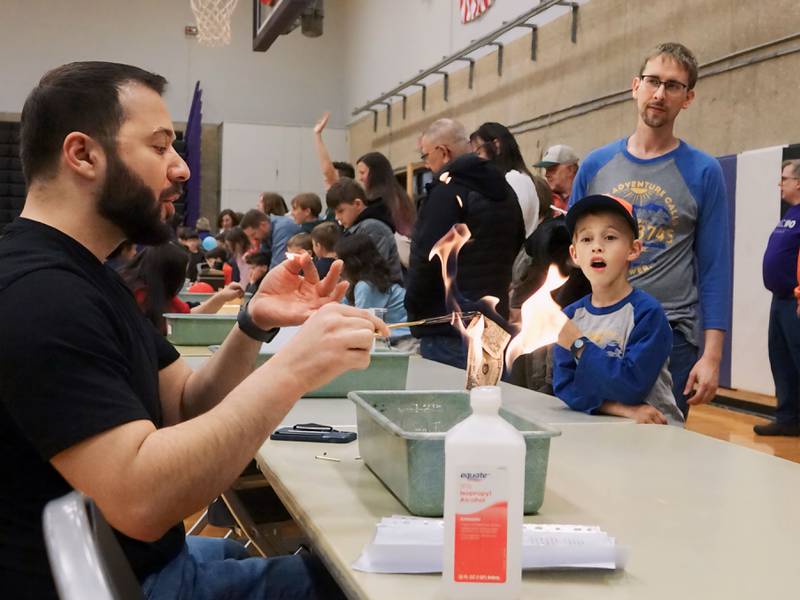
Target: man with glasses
[(780, 271), (470, 190), (680, 200)]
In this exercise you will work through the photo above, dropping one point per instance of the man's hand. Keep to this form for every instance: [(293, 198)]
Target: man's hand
[(337, 338), (287, 298), (321, 123), (232, 291), (646, 414), (705, 374)]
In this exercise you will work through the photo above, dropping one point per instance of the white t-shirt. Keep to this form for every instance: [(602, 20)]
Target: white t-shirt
[(523, 186)]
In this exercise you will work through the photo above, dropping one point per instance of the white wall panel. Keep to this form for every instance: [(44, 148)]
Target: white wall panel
[(757, 213), (258, 158)]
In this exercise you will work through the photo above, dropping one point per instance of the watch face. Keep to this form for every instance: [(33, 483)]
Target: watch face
[(578, 343)]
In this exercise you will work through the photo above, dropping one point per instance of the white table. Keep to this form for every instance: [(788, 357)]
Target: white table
[(429, 375), (703, 518)]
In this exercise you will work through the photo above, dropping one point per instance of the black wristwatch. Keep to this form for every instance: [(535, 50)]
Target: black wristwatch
[(577, 345), (252, 330)]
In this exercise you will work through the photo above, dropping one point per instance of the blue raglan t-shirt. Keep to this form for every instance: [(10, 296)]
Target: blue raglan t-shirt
[(626, 361), (681, 205)]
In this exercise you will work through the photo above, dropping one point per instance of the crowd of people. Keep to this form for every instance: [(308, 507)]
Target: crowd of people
[(638, 228)]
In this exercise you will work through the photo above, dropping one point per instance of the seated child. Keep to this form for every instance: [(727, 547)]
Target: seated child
[(259, 265), (238, 246), (299, 242), (612, 354), (217, 260), (305, 211), (190, 240), (371, 285), (156, 276), (346, 199), (323, 240)]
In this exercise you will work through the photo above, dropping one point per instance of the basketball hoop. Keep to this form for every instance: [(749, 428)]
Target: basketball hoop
[(213, 21)]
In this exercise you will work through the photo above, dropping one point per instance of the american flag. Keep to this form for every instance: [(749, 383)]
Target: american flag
[(472, 9)]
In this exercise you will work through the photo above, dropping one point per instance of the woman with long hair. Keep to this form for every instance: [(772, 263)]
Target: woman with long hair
[(271, 203), (156, 275), (375, 173), (494, 142)]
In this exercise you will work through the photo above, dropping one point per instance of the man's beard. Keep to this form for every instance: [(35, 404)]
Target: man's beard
[(655, 120), (129, 204)]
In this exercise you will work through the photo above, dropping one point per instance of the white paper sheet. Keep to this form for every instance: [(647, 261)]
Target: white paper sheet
[(414, 545)]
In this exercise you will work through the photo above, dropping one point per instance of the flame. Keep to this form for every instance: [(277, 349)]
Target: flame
[(542, 319), (447, 249)]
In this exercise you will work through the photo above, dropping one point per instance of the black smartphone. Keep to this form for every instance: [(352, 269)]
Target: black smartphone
[(313, 432)]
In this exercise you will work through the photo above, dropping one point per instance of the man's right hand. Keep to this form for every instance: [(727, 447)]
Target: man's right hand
[(335, 339), (321, 123)]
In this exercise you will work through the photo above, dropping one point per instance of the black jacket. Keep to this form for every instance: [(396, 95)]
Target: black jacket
[(376, 222), (477, 195)]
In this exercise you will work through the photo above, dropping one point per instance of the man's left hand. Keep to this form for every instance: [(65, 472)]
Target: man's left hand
[(287, 298), (705, 374)]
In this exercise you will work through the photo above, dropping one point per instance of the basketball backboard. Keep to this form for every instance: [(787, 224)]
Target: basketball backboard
[(272, 18)]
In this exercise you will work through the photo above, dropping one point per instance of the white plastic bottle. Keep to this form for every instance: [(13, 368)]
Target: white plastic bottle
[(484, 483)]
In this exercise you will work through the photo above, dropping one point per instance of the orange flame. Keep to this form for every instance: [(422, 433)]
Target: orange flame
[(542, 319), (447, 249)]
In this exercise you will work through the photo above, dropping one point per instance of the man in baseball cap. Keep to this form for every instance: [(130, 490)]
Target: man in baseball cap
[(560, 164)]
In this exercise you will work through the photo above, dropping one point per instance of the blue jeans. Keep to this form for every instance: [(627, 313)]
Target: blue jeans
[(214, 568), (681, 360), (783, 341), (444, 349)]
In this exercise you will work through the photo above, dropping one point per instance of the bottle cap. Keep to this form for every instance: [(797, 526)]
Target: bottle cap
[(485, 399)]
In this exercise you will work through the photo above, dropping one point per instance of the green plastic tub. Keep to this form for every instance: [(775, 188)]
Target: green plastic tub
[(388, 370), (198, 330), (401, 440)]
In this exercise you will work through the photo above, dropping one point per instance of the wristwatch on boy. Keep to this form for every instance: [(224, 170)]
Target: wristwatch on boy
[(250, 329), (577, 346)]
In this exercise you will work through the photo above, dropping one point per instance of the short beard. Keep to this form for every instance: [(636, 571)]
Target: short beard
[(655, 123), (129, 204)]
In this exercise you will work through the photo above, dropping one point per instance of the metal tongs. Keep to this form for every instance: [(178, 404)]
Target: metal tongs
[(448, 318)]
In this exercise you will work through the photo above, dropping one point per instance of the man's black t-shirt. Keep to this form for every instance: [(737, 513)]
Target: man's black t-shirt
[(76, 358)]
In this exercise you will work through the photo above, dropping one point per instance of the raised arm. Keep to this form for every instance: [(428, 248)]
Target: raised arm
[(329, 173)]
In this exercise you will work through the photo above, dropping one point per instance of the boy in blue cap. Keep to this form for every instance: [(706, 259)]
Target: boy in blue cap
[(612, 353)]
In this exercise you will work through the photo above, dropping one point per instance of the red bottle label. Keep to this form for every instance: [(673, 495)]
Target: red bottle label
[(480, 548)]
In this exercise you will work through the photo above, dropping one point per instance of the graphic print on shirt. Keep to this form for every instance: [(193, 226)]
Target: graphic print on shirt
[(657, 214), (609, 339), (666, 211), (607, 331)]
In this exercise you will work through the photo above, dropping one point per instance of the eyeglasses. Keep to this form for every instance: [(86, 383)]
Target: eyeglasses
[(671, 87), (424, 157)]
